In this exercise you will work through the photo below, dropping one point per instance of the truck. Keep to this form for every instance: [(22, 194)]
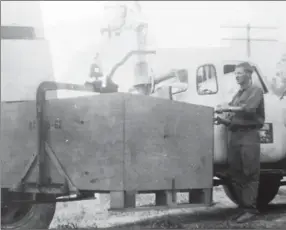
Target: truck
[(158, 136)]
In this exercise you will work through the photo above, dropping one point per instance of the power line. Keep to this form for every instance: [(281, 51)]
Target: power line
[(248, 39)]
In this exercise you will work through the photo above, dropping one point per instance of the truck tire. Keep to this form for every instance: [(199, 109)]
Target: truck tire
[(35, 216), (268, 189)]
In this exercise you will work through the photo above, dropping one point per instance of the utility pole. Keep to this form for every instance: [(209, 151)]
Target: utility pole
[(248, 39)]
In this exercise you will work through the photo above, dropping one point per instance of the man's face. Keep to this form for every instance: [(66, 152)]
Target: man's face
[(241, 76)]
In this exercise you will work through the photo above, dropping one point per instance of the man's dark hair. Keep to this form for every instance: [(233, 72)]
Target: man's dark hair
[(246, 66)]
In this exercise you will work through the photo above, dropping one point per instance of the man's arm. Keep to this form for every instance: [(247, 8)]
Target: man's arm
[(250, 105), (253, 101)]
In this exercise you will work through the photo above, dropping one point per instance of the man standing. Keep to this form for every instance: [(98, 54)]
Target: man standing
[(246, 116)]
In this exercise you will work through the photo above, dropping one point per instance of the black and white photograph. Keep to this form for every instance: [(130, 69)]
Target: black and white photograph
[(143, 115)]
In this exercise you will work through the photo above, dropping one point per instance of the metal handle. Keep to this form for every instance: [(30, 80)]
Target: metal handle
[(43, 125), (126, 57)]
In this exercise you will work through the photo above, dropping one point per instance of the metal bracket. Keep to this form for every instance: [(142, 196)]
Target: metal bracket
[(20, 187), (27, 172), (60, 168), (44, 149)]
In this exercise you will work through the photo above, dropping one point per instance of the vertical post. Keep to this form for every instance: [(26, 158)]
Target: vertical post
[(142, 65), (248, 40), (43, 126), (142, 82)]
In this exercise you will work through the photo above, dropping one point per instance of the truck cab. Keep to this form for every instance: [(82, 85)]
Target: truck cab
[(213, 83), (210, 82)]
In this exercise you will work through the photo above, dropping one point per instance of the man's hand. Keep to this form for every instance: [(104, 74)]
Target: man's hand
[(221, 108), (221, 121)]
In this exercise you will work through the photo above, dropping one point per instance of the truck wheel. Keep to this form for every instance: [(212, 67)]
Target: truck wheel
[(27, 216), (268, 189)]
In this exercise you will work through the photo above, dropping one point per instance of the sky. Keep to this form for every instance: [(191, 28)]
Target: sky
[(195, 21), (73, 28)]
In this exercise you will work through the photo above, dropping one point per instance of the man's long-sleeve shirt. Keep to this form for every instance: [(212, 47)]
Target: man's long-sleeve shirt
[(251, 100)]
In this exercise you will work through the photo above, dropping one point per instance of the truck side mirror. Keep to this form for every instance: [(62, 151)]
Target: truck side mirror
[(206, 80)]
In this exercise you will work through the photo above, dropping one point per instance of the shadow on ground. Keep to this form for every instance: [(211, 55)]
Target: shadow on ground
[(215, 217), (273, 217)]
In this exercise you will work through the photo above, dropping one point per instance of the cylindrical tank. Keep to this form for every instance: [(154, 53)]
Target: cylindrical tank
[(220, 144)]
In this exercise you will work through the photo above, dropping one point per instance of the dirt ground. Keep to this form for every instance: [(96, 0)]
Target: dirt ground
[(92, 214)]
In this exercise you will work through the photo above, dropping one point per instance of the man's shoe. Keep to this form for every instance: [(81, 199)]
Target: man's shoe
[(247, 216), (237, 215)]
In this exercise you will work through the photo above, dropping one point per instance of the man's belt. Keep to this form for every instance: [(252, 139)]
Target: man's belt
[(244, 128)]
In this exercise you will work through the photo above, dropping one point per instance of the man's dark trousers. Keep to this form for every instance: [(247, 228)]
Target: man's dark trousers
[(244, 166)]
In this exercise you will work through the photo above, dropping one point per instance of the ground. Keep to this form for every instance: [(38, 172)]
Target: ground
[(92, 214)]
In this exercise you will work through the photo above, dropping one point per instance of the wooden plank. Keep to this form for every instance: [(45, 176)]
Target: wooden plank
[(164, 200), (200, 196), (147, 208), (122, 199), (167, 140), (117, 199), (168, 198)]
